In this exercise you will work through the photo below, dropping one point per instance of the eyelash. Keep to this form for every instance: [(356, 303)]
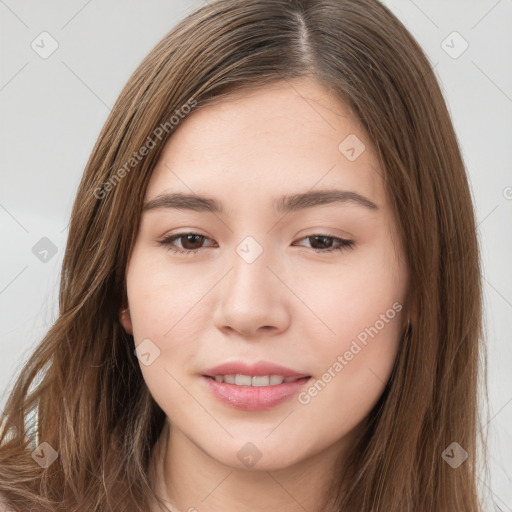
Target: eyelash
[(343, 244)]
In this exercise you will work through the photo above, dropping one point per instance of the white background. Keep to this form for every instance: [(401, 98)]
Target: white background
[(52, 110)]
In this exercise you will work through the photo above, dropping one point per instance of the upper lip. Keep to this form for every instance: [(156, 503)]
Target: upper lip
[(253, 369)]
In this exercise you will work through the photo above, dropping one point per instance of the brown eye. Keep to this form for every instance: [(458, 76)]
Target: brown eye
[(190, 242), (326, 243), (321, 242)]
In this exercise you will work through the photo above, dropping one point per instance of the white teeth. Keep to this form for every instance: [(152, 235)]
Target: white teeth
[(260, 381), (243, 380), (256, 381), (276, 379)]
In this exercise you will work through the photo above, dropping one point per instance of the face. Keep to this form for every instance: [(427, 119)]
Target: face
[(314, 284)]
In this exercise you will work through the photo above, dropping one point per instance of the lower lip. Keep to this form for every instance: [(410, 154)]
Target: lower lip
[(254, 398)]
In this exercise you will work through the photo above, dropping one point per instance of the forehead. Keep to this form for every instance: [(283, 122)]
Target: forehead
[(259, 144)]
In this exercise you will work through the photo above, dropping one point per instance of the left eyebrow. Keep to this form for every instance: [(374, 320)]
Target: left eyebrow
[(322, 197), (283, 204)]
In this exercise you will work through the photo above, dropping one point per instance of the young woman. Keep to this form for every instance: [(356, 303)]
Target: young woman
[(270, 297)]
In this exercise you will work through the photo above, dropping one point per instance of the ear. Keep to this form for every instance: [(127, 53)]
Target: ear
[(126, 321)]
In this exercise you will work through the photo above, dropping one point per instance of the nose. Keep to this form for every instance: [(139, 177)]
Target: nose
[(252, 300)]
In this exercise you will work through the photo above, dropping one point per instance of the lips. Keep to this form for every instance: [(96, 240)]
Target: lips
[(253, 387)]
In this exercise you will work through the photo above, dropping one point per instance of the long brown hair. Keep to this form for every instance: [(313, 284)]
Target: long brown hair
[(93, 407)]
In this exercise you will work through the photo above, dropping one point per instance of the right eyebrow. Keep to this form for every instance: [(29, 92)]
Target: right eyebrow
[(182, 201)]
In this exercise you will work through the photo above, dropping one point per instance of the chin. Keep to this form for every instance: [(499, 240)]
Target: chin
[(251, 458)]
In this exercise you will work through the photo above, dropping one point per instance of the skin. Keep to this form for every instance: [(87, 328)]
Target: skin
[(291, 306)]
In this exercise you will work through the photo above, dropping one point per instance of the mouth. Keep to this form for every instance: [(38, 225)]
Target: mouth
[(253, 392)]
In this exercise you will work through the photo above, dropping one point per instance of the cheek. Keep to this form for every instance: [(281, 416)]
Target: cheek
[(165, 307), (163, 297), (364, 308), (366, 289), (352, 369), (164, 311)]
